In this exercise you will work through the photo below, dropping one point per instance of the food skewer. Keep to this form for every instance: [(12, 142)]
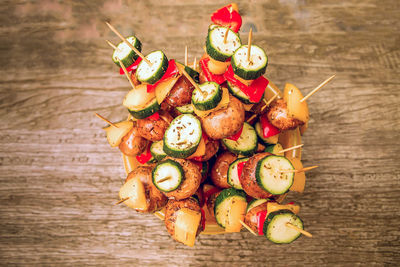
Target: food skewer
[(247, 227), (298, 229), (226, 35), (249, 44), (164, 179), (194, 63), (104, 119), (122, 200), (129, 44), (317, 88), (301, 170), (186, 55), (126, 73), (290, 148)]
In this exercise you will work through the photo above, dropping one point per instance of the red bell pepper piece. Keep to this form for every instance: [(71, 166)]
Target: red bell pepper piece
[(236, 136), (261, 216), (254, 91), (210, 77), (240, 168), (172, 71), (227, 18), (267, 128), (291, 203), (154, 117), (145, 156), (131, 67), (203, 219)]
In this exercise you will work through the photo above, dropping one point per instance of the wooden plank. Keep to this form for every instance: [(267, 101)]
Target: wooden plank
[(59, 178)]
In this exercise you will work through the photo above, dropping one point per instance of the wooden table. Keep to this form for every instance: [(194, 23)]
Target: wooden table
[(59, 178)]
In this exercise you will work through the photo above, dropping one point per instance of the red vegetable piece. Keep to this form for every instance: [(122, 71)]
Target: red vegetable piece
[(291, 203), (240, 168), (226, 18), (131, 67), (145, 156), (256, 89), (210, 77), (172, 71), (236, 136), (198, 164), (154, 117), (267, 128), (261, 216), (203, 219)]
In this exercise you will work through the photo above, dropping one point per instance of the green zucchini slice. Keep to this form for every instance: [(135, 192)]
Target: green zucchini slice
[(168, 175), (151, 74), (268, 140), (151, 108), (215, 46), (125, 53), (156, 150), (236, 92), (249, 70), (276, 230), (246, 145), (186, 109), (254, 203), (270, 175), (183, 136), (207, 96), (193, 73), (233, 178), (223, 204), (274, 149)]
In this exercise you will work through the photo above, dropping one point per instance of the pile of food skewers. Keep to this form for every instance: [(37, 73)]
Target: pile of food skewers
[(215, 146)]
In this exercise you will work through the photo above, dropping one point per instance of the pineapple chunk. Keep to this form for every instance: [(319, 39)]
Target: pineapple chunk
[(114, 134), (296, 109), (186, 225)]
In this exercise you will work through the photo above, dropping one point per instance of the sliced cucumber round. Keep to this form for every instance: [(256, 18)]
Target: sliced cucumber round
[(156, 150), (151, 74), (148, 110), (273, 174), (212, 26), (217, 48), (236, 92), (249, 69), (125, 53), (274, 149), (168, 175), (246, 145), (276, 230), (233, 177), (207, 96), (223, 204), (151, 108), (254, 203), (186, 109), (183, 136), (268, 140), (193, 73)]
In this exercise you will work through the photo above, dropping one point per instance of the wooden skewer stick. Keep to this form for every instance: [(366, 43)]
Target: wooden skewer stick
[(290, 148), (128, 43), (104, 119), (122, 200), (247, 227), (194, 63), (192, 81), (186, 55), (126, 73), (263, 108), (298, 229), (112, 45), (301, 170), (249, 44), (164, 179), (317, 88), (226, 35)]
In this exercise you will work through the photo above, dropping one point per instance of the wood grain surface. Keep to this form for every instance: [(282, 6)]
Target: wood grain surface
[(59, 178)]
